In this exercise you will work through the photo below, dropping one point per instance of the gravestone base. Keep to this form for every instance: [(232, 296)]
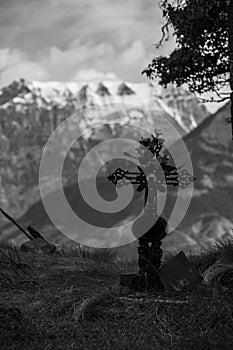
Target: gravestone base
[(139, 282), (154, 281), (134, 281)]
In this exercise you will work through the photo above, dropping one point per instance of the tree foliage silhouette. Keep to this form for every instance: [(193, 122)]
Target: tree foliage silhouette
[(203, 57)]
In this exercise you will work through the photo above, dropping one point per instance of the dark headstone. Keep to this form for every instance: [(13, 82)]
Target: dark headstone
[(35, 234), (180, 274), (38, 245)]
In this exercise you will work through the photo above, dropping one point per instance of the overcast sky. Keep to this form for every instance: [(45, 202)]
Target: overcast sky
[(67, 40)]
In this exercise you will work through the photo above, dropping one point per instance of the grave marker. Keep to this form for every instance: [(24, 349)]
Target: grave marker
[(154, 173)]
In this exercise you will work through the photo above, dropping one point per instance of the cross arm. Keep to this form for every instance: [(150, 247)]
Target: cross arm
[(124, 177), (177, 177), (172, 176)]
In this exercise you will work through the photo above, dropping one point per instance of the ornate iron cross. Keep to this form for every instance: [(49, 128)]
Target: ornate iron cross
[(154, 173)]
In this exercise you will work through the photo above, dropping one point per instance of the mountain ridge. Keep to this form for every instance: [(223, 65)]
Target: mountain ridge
[(50, 94), (208, 144), (31, 111), (211, 148)]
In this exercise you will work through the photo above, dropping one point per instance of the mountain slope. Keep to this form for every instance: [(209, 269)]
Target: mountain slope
[(31, 111), (178, 103), (210, 215)]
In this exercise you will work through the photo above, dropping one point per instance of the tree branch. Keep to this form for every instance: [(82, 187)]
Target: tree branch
[(165, 33), (212, 99)]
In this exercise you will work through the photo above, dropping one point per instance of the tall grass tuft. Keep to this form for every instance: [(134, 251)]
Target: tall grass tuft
[(13, 269)]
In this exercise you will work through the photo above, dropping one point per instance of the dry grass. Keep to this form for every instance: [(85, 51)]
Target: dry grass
[(73, 301)]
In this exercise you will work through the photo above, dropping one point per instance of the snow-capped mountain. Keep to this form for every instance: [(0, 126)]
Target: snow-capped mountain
[(31, 111), (106, 97), (209, 216)]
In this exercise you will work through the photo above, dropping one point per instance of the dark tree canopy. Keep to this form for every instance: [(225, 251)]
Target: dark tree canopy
[(201, 56)]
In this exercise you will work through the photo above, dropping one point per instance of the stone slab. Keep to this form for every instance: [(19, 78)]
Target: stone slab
[(180, 274)]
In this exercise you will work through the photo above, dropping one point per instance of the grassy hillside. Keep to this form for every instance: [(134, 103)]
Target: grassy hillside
[(72, 300)]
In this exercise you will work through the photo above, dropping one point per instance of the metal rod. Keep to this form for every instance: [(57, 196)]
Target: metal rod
[(16, 224)]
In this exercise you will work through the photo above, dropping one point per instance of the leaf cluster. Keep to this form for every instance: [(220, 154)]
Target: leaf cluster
[(201, 57)]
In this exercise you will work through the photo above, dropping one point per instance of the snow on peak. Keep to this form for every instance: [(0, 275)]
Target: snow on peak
[(178, 103)]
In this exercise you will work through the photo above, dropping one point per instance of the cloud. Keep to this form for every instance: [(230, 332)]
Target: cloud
[(103, 57), (64, 63), (79, 61), (8, 57), (57, 65), (93, 75), (27, 70), (135, 53), (60, 40), (15, 65), (33, 25)]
